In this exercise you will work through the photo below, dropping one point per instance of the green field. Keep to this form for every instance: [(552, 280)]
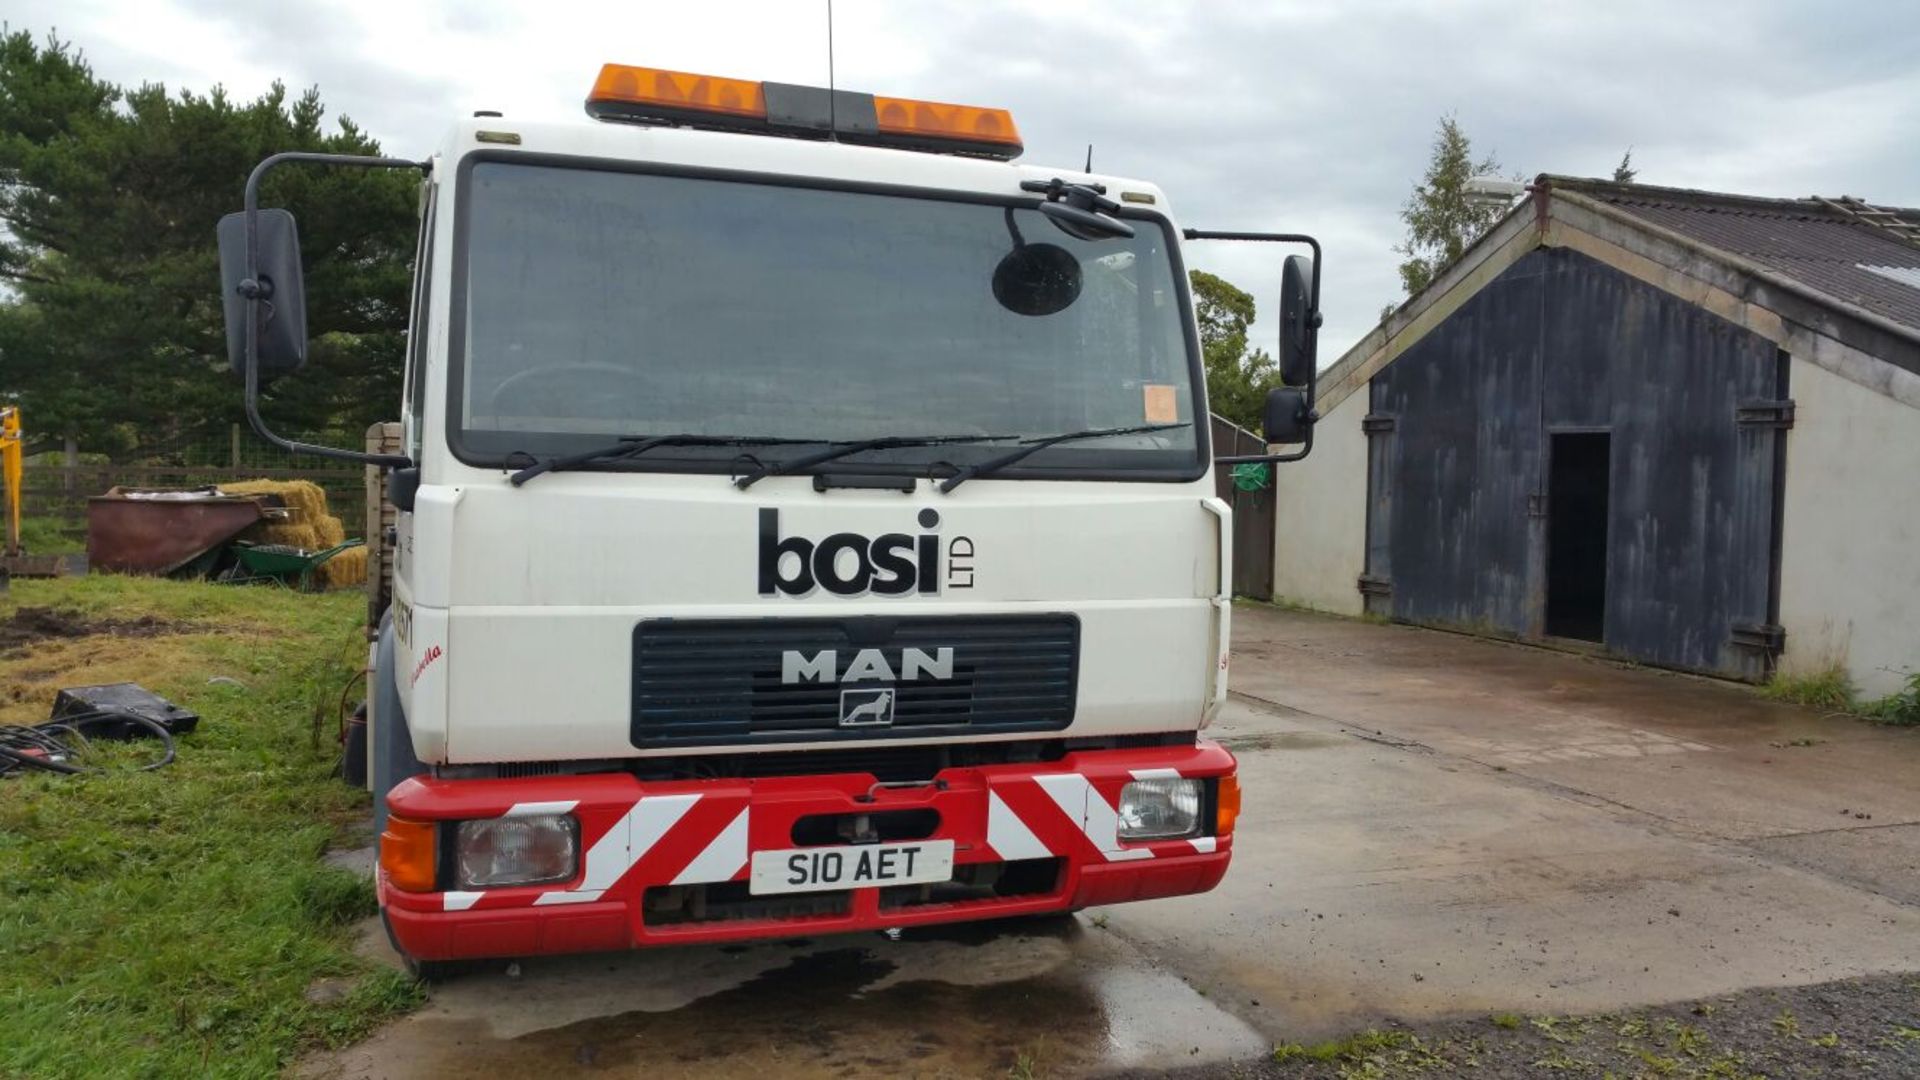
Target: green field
[(171, 923)]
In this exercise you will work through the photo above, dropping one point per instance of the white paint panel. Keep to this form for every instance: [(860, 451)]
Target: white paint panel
[(1205, 845), (1156, 774), (539, 684), (423, 683), (1320, 515), (460, 901), (425, 542), (1849, 582)]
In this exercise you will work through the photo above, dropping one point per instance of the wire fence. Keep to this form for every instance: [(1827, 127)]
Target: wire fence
[(55, 489)]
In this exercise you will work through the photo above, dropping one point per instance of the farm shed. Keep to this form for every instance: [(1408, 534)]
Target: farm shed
[(1681, 425)]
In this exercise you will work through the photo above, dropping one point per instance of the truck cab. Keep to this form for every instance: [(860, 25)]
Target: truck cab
[(807, 524)]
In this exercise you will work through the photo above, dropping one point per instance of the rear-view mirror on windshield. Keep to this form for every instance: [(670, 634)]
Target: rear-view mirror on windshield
[(1036, 279)]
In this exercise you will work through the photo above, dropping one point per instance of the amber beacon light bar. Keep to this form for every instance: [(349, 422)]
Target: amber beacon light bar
[(654, 96)]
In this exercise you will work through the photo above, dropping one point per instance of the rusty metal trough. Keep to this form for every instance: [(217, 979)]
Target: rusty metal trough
[(136, 531)]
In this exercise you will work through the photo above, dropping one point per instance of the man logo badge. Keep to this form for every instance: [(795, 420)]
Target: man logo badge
[(866, 708)]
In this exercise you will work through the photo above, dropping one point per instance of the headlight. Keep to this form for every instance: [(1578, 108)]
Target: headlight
[(1159, 809), (529, 850)]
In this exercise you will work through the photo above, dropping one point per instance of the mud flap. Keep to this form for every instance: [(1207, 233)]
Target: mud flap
[(389, 743)]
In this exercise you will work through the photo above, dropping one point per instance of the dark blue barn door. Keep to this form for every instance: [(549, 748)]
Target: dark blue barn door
[(1462, 427)]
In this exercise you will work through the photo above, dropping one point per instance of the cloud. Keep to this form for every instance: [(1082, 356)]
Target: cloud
[(1299, 116)]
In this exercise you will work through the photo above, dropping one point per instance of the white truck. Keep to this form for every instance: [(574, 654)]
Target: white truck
[(806, 524)]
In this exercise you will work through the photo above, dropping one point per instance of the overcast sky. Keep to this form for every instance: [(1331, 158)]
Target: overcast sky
[(1311, 116)]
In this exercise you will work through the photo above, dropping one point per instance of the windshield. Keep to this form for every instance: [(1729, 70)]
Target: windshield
[(603, 304)]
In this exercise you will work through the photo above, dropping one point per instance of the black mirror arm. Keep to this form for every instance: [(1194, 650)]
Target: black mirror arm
[(255, 291), (1313, 327)]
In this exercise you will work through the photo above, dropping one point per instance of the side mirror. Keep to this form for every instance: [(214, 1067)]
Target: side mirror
[(1299, 326), (274, 296), (1285, 420)]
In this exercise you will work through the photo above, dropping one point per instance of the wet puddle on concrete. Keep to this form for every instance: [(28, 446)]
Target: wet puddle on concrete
[(1058, 998)]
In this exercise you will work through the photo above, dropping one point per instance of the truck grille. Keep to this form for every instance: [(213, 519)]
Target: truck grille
[(700, 682)]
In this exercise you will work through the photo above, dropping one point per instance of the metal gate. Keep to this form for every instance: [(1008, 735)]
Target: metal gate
[(1252, 511), (1695, 408)]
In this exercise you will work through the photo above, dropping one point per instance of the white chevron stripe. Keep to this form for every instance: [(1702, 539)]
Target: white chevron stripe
[(1069, 791), (531, 809), (1156, 774), (1103, 828), (722, 858), (1204, 844), (587, 896), (460, 901), (1075, 796), (1008, 835), (630, 838)]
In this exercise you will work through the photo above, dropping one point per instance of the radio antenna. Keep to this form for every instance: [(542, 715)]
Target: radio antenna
[(1089, 167), (833, 118)]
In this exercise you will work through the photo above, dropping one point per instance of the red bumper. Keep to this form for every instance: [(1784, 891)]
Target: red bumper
[(667, 862)]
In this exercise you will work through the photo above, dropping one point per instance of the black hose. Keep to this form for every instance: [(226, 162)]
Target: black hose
[(52, 746)]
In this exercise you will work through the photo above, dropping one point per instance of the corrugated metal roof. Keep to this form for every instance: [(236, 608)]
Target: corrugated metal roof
[(1822, 244)]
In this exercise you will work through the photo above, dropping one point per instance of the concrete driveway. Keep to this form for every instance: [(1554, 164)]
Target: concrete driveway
[(1434, 825)]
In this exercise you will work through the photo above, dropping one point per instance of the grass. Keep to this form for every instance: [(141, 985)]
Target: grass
[(1833, 689), (1353, 1048), (1900, 708), (52, 536), (169, 923), (1827, 689)]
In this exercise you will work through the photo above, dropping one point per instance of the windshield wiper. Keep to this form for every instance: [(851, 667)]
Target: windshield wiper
[(839, 450), (634, 445), (994, 465)]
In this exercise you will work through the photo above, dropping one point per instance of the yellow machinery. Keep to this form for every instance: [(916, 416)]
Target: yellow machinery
[(10, 472)]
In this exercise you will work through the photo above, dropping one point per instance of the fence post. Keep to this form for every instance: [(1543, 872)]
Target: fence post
[(233, 455)]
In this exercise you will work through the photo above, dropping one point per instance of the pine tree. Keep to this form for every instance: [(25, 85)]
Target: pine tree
[(1624, 172), (111, 330)]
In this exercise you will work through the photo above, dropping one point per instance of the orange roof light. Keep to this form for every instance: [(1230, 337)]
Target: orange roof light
[(932, 119), (652, 95), (678, 91)]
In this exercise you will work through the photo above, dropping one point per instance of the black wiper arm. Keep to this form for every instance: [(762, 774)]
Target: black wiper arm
[(843, 449), (634, 446), (994, 465)]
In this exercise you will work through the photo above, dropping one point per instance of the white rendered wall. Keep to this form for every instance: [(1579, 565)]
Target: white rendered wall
[(1320, 515), (1850, 555)]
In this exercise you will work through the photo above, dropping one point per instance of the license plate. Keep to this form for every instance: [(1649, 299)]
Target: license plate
[(852, 866)]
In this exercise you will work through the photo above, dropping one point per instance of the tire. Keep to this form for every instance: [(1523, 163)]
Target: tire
[(389, 743)]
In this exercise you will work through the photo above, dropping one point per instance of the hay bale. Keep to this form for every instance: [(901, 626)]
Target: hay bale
[(346, 569), (308, 525)]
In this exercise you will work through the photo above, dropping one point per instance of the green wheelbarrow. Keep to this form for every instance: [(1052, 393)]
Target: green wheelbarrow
[(279, 564)]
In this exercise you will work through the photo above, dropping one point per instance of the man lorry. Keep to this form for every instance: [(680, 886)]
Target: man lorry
[(806, 523)]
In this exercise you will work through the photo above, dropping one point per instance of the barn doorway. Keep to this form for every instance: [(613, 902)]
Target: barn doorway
[(1577, 486)]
